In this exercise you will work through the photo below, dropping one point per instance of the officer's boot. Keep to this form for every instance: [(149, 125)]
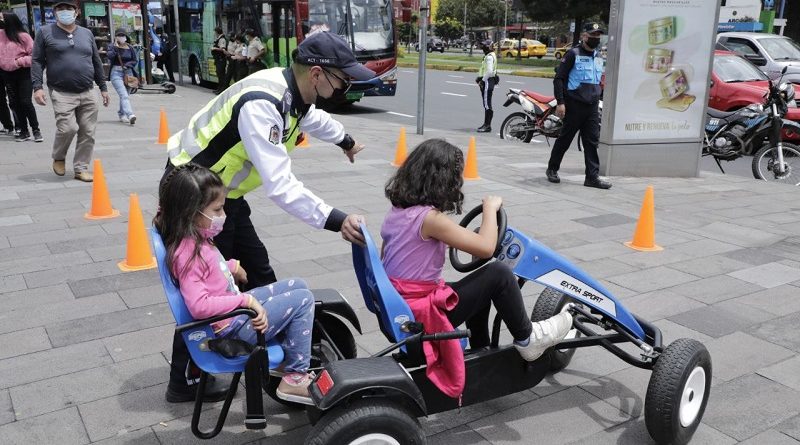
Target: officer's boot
[(487, 122)]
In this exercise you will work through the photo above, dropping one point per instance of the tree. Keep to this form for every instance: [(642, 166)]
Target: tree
[(479, 12), (578, 10), (407, 31), (449, 28)]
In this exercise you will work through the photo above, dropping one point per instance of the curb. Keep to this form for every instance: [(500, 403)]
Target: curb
[(469, 69)]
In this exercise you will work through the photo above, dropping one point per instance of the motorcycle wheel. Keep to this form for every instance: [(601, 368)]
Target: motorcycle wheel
[(765, 163), (517, 126)]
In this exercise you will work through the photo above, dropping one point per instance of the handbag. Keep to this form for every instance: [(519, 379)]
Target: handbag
[(131, 82)]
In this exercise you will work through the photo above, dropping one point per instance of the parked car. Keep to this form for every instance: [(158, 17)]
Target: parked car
[(559, 52), (767, 51), (434, 44), (510, 48), (535, 48), (737, 83)]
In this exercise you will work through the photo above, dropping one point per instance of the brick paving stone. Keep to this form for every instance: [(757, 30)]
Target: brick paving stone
[(710, 266), (752, 256), (790, 427), (6, 409), (71, 273), (106, 325), (605, 267), (741, 236), (634, 432), (781, 300), (721, 319), (31, 316), (12, 283), (113, 283), (644, 260), (768, 275), (715, 289), (594, 251), (648, 280), (23, 342), (460, 435), (786, 372), (770, 437), (144, 436), (143, 296), (739, 354), (140, 343), (30, 367), (62, 427), (80, 387), (660, 304), (43, 263), (611, 219), (705, 247), (782, 331), (439, 423), (43, 296), (56, 235), (749, 405)]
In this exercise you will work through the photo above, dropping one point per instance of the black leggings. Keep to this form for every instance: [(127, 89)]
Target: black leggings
[(19, 81), (494, 283)]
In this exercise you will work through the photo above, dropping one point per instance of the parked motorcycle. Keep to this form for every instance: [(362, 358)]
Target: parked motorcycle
[(756, 130), (537, 117)]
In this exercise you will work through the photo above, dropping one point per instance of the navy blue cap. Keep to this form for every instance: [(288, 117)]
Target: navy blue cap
[(593, 27), (73, 3), (328, 49)]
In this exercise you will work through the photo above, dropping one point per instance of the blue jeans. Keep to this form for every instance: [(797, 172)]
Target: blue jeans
[(290, 317), (119, 85)]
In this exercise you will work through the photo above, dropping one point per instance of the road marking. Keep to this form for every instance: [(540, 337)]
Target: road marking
[(408, 71), (457, 77), (459, 83), (454, 94), (399, 114), (514, 81)]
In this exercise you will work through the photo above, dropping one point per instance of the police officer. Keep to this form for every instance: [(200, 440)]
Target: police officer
[(245, 135), (487, 79), (577, 91), (219, 51)]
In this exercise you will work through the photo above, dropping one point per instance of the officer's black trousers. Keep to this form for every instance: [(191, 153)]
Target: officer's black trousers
[(238, 240), (585, 118)]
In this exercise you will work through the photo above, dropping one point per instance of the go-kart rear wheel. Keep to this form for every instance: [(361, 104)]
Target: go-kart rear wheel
[(550, 303), (322, 353), (367, 421), (678, 392)]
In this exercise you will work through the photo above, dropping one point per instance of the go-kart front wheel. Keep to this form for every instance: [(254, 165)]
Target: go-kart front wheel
[(678, 392), (367, 421), (550, 303)]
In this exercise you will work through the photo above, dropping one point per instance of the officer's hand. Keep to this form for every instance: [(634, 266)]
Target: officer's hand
[(478, 80), (351, 230), (351, 154), (561, 110), (40, 98)]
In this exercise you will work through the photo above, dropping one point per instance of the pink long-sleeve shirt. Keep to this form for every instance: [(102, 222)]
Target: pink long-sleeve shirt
[(209, 290), (13, 55)]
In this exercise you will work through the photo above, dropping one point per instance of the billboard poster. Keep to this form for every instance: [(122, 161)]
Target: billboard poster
[(124, 16), (662, 70)]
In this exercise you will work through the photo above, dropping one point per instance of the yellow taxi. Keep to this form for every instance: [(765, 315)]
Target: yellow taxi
[(559, 52), (535, 48), (509, 48)]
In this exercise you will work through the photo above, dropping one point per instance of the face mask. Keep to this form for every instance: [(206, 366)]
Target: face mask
[(217, 222), (593, 42), (337, 92), (66, 17)]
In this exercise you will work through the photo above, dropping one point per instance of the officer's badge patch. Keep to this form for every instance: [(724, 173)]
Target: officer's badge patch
[(275, 135)]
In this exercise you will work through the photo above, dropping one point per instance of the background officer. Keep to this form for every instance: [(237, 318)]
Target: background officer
[(578, 92), (487, 79)]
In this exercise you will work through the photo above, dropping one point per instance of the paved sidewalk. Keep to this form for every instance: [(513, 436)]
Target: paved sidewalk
[(85, 347)]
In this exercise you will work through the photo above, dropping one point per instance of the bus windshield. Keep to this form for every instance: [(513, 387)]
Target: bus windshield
[(371, 32)]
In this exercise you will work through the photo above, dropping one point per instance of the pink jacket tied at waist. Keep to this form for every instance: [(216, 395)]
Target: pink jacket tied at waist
[(429, 301), (13, 55)]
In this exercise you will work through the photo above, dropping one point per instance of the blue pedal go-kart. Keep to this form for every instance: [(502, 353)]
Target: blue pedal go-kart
[(377, 399)]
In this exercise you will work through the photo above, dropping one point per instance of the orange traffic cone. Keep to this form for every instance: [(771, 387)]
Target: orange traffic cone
[(401, 152), (163, 129), (471, 166), (101, 202), (139, 256), (644, 238), (303, 138)]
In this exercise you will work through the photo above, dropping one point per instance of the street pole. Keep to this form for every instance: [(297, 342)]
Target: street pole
[(423, 53), (148, 76), (176, 28), (505, 20)]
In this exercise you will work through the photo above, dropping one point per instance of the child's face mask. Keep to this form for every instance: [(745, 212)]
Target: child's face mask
[(217, 222)]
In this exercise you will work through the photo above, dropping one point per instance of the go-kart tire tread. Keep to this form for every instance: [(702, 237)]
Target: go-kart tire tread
[(661, 407), (347, 421), (548, 304)]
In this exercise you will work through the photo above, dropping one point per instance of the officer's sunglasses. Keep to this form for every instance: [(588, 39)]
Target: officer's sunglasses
[(345, 82)]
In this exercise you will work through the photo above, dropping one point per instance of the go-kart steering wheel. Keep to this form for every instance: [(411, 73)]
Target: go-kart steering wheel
[(478, 262)]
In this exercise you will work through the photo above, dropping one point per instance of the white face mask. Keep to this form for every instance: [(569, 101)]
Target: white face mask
[(66, 17), (217, 222)]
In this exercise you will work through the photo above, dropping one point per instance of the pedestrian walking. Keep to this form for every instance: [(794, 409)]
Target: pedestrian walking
[(219, 51), (255, 51), (164, 57), (16, 49), (245, 135), (487, 79), (577, 91), (5, 113), (69, 54), (123, 61), (232, 68)]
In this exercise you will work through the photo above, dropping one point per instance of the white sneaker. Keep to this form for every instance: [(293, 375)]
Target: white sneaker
[(546, 334), (124, 119)]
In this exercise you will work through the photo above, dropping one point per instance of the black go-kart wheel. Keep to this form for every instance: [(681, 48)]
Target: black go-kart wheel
[(550, 303), (373, 420), (678, 392), (322, 353)]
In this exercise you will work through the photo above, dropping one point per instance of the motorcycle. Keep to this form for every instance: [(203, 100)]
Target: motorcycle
[(537, 117), (756, 130)]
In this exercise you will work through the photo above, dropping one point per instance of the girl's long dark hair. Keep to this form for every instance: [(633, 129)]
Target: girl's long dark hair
[(430, 176), (184, 192), (13, 27)]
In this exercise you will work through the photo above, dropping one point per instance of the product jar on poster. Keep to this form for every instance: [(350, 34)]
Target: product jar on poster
[(658, 60), (674, 84), (661, 30)]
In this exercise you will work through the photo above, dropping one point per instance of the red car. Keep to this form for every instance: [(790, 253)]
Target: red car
[(737, 83)]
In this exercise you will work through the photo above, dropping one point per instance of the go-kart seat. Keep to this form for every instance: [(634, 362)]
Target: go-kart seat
[(380, 296), (197, 335)]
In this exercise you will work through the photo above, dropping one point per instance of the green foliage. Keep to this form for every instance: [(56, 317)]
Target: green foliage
[(407, 32), (449, 28), (479, 12)]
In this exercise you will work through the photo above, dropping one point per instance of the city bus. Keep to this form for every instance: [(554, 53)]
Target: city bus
[(367, 25)]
